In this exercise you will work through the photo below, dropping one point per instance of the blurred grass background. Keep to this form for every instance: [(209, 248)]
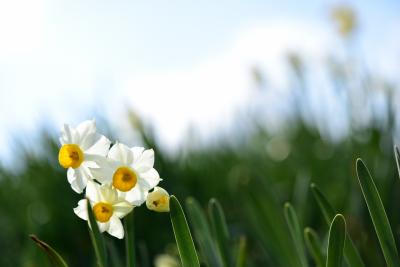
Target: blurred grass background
[(250, 169)]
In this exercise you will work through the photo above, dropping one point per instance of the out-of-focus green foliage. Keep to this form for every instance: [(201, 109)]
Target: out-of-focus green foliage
[(251, 171)]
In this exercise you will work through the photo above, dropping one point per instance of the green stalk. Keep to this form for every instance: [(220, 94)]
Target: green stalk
[(241, 252), (129, 225), (97, 238)]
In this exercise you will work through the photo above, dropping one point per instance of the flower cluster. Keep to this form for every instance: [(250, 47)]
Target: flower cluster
[(115, 178)]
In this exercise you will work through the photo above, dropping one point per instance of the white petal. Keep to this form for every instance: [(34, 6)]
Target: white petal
[(116, 228), (81, 209), (105, 172), (103, 226), (136, 196), (149, 179), (122, 208), (71, 175), (100, 145), (92, 192), (91, 161), (68, 135), (145, 161), (137, 152), (85, 131), (78, 178), (107, 194), (122, 153)]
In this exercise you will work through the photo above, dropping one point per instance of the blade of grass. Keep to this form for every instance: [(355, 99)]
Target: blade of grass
[(314, 246), (202, 234), (97, 239), (397, 156), (378, 215), (351, 254), (295, 231), (337, 237), (220, 230), (241, 252), (130, 240), (184, 241), (53, 255)]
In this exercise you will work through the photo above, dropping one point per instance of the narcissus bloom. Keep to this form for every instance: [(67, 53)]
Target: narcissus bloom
[(158, 200), (81, 148), (130, 171), (108, 208)]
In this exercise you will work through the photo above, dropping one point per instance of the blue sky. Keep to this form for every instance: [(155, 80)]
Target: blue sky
[(178, 63)]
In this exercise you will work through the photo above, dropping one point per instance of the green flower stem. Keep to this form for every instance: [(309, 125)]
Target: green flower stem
[(97, 238), (129, 225)]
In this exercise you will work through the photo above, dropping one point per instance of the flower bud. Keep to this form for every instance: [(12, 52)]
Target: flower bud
[(158, 200)]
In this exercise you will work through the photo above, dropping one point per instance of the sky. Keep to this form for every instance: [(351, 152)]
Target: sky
[(179, 64)]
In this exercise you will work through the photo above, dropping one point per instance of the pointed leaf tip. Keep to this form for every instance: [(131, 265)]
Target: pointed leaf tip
[(183, 237), (378, 215), (52, 254), (337, 237)]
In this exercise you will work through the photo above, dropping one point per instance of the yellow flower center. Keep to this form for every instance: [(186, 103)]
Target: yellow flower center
[(70, 156), (124, 179), (102, 211), (161, 201)]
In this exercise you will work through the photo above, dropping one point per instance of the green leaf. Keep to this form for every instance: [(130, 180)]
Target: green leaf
[(54, 257), (220, 230), (129, 225), (337, 236), (296, 233), (241, 252), (202, 234), (351, 254), (97, 238), (182, 234), (314, 246), (397, 156), (378, 215)]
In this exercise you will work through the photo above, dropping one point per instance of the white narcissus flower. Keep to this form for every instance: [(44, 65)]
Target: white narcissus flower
[(108, 208), (130, 171), (158, 200), (81, 148)]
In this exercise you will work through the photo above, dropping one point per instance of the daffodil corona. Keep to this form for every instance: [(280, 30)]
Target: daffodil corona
[(81, 149), (70, 156), (108, 208)]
